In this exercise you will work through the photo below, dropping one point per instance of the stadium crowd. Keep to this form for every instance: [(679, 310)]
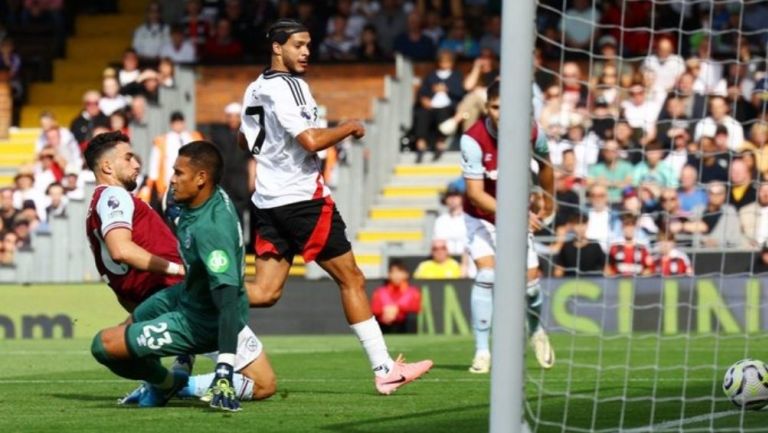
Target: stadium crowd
[(658, 133)]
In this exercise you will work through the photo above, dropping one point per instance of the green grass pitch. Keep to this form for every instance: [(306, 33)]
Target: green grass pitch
[(325, 386)]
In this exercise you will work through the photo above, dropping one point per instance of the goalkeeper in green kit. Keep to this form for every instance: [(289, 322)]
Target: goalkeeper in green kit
[(208, 312)]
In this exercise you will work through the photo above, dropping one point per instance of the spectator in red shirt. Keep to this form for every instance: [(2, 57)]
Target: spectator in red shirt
[(671, 260), (396, 303), (626, 257), (223, 47)]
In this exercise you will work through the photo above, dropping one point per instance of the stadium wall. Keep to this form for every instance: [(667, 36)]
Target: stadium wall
[(729, 305)]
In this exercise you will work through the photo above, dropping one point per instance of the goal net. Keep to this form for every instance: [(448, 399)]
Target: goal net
[(655, 114)]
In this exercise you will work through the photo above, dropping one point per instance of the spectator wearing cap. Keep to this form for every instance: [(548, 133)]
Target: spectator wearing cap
[(719, 116), (717, 223), (165, 149), (742, 191), (90, 118), (754, 218), (239, 174), (449, 225), (149, 86), (413, 43), (689, 194), (579, 256), (440, 264), (667, 65), (150, 36), (47, 169), (612, 172), (178, 48), (609, 56), (654, 168), (579, 23), (25, 190)]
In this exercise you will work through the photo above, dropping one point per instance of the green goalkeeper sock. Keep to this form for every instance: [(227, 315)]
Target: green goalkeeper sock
[(534, 302), (149, 369)]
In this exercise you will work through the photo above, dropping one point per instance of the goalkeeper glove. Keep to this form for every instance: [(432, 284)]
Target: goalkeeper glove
[(221, 394)]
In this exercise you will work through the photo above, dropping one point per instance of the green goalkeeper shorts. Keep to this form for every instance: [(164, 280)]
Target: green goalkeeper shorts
[(161, 302), (169, 334)]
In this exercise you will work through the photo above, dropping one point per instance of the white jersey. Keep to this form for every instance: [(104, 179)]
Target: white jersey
[(277, 107)]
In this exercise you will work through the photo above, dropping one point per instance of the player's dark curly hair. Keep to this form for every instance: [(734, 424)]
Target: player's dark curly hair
[(206, 156), (493, 90), (101, 144), (282, 29)]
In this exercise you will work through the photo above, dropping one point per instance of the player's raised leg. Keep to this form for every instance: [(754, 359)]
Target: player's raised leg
[(389, 374), (110, 347), (271, 273)]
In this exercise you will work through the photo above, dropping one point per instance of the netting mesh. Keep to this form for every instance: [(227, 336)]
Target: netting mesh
[(656, 118)]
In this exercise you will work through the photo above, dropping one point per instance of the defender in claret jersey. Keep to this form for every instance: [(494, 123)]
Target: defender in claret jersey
[(294, 210), (133, 248), (479, 152), (207, 312)]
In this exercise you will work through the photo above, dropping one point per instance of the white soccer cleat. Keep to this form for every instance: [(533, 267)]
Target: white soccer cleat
[(545, 355), (481, 364)]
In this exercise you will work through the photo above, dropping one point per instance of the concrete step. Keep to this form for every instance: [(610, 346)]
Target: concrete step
[(66, 71), (435, 180), (10, 160), (6, 180), (400, 191), (396, 213), (422, 170), (30, 114), (60, 93), (427, 202), (390, 235), (452, 157), (394, 224), (104, 47)]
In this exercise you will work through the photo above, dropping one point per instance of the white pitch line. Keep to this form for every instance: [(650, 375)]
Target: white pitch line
[(681, 422), (62, 381)]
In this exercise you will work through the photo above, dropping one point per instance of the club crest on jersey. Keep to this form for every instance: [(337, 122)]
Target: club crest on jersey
[(113, 202), (309, 113)]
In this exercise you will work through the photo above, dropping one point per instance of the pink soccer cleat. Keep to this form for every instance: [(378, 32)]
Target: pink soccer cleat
[(401, 374)]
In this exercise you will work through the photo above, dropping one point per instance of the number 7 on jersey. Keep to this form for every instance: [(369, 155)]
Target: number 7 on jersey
[(258, 112)]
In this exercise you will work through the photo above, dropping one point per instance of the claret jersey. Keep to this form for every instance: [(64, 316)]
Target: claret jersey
[(277, 107), (112, 207)]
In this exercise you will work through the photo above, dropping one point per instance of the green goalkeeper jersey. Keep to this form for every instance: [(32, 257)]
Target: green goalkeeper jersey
[(211, 244)]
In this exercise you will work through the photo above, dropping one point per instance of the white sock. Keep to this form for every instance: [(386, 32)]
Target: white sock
[(369, 333), (198, 385)]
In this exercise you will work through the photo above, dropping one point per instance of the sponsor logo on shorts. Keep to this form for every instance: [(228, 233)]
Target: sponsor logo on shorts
[(251, 344), (217, 261)]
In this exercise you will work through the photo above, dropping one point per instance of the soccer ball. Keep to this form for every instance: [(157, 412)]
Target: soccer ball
[(746, 384)]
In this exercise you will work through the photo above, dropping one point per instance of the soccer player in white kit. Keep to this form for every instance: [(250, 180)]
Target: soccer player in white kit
[(294, 210)]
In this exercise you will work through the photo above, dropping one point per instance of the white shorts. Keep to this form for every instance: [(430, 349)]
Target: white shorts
[(481, 241), (249, 348)]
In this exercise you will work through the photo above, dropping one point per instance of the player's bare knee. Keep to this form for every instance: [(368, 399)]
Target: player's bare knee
[(265, 387), (353, 280)]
